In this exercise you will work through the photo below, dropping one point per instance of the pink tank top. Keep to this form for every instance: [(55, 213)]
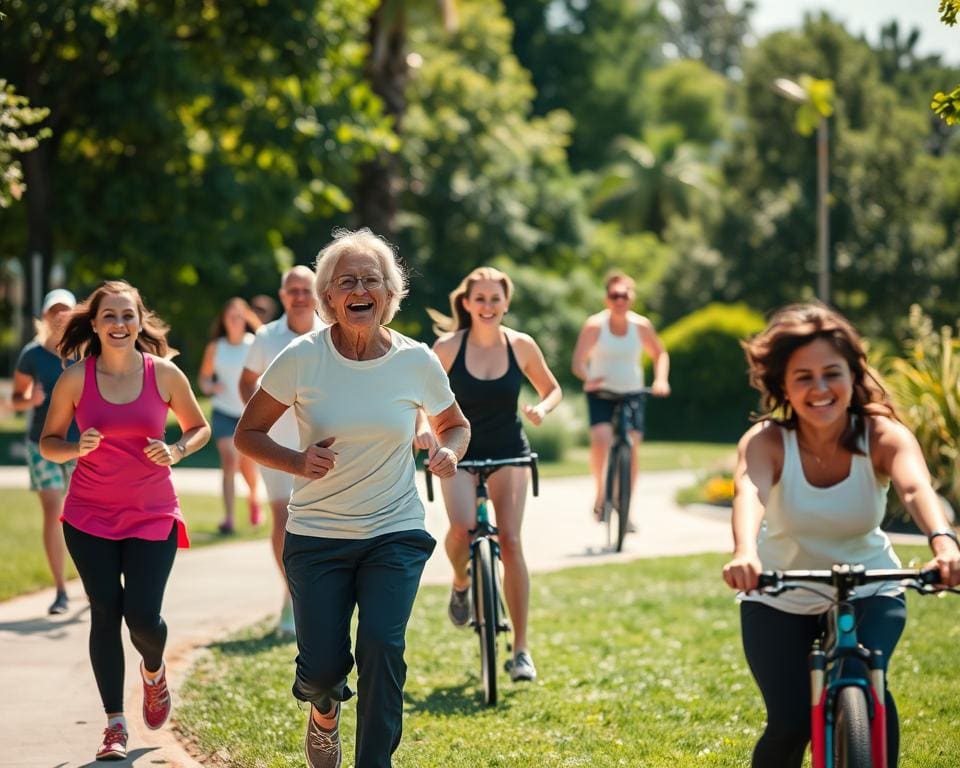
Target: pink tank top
[(116, 492)]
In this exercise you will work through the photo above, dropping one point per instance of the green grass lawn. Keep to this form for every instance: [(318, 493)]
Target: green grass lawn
[(640, 665), (23, 565), (653, 457)]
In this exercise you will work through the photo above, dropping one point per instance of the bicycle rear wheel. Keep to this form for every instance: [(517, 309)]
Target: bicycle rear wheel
[(485, 600), (851, 729), (623, 494)]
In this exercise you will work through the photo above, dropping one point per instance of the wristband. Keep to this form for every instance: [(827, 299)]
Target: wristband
[(948, 532)]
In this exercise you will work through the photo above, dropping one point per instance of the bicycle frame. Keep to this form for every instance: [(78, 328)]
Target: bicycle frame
[(839, 641)]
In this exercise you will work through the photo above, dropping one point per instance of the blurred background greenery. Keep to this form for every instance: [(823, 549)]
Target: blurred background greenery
[(198, 149)]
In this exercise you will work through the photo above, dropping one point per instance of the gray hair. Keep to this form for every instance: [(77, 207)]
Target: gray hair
[(359, 241)]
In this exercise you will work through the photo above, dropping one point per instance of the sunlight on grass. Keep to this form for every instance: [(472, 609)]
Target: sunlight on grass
[(640, 665)]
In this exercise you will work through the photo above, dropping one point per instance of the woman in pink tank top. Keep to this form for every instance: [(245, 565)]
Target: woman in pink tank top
[(121, 518)]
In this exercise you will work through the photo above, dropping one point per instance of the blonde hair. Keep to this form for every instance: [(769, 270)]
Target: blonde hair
[(361, 241), (459, 317)]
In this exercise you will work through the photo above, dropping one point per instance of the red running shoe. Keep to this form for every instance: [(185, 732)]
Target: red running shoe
[(156, 699), (256, 516), (114, 745)]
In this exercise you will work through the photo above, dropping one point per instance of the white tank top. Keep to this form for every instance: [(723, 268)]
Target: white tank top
[(814, 528), (617, 358), (228, 360)]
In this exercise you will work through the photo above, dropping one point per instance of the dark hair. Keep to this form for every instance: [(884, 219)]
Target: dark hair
[(616, 276), (793, 327), (251, 322), (459, 317), (79, 339)]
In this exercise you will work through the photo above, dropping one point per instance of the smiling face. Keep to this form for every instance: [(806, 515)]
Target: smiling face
[(818, 383), (357, 293), (117, 322), (234, 322), (297, 295), (486, 303)]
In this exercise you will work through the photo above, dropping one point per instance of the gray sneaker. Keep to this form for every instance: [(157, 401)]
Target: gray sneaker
[(59, 605), (459, 608), (322, 746), (521, 667)]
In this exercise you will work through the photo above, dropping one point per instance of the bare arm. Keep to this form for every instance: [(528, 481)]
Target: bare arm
[(753, 478), (586, 341), (658, 354), (538, 373), (248, 384), (899, 456), (63, 405), (27, 392), (452, 431), (252, 439), (195, 432), (205, 380)]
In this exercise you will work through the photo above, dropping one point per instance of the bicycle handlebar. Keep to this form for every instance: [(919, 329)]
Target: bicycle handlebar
[(847, 576), (474, 464)]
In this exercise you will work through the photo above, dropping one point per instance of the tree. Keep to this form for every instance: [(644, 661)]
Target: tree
[(947, 105), (709, 31), (16, 117), (189, 143)]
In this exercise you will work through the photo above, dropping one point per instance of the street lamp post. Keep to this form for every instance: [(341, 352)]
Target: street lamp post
[(795, 92)]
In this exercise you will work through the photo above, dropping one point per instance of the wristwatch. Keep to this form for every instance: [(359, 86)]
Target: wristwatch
[(182, 447), (948, 532)]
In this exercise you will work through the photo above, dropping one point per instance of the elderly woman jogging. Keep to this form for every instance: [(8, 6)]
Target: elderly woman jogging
[(355, 530)]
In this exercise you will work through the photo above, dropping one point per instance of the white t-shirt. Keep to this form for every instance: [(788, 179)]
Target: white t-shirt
[(617, 358), (370, 406), (270, 341), (228, 364)]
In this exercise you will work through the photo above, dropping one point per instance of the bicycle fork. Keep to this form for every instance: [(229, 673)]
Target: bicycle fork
[(823, 694)]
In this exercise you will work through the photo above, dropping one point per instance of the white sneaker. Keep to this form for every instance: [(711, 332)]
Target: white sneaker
[(287, 627), (521, 667)]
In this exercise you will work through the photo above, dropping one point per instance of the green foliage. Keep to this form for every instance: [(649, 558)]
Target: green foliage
[(481, 178), (192, 143), (819, 104), (948, 11), (947, 106), (16, 115), (925, 385), (710, 398)]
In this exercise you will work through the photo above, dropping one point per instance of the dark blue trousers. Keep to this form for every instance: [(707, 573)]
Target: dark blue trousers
[(380, 577)]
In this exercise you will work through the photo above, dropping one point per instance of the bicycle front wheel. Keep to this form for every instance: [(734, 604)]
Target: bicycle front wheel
[(485, 597), (851, 729), (623, 494)]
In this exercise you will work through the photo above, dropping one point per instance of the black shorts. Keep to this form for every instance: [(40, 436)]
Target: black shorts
[(601, 412)]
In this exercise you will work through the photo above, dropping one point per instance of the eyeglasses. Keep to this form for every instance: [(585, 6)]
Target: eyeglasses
[(617, 295), (349, 282)]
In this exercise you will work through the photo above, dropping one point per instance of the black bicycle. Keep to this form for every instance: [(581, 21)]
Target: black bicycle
[(619, 474), (489, 614), (848, 726)]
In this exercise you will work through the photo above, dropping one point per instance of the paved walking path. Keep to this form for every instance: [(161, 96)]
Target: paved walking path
[(50, 714)]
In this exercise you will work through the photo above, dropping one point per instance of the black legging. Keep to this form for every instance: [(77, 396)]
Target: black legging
[(144, 566), (777, 644)]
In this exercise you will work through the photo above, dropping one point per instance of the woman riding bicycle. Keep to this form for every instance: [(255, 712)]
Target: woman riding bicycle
[(608, 357), (486, 363), (815, 472)]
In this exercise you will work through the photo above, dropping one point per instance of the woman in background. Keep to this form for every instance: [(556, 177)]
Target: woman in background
[(220, 370)]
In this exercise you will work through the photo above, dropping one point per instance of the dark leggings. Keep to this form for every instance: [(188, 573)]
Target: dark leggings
[(777, 643), (144, 566)]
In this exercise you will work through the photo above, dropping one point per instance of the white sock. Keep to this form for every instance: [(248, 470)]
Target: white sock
[(112, 721)]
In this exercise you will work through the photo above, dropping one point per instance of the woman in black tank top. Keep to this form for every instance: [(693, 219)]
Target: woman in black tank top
[(487, 363)]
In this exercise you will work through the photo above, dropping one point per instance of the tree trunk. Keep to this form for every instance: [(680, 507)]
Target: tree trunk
[(386, 68)]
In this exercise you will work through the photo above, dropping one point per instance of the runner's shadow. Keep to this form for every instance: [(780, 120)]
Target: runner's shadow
[(460, 699), (49, 628), (132, 756), (247, 646)]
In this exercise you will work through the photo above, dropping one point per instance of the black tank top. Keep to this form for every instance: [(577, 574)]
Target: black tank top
[(491, 408)]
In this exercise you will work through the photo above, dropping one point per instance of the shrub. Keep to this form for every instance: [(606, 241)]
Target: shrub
[(925, 386), (711, 398)]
